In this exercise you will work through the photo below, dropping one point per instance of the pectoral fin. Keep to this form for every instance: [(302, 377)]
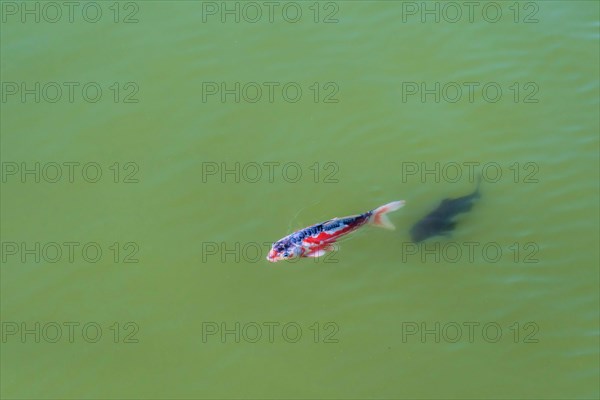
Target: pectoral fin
[(316, 253), (333, 247), (320, 252)]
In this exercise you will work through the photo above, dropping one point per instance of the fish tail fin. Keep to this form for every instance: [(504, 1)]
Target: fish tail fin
[(379, 215)]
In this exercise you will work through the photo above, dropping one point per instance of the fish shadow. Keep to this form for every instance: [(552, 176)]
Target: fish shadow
[(442, 221)]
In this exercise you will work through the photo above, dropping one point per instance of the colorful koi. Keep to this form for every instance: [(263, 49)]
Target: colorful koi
[(318, 239)]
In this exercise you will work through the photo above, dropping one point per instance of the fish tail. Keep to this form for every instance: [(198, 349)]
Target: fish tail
[(379, 215)]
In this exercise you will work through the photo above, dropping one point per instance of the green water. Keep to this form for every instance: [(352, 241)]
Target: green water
[(380, 318)]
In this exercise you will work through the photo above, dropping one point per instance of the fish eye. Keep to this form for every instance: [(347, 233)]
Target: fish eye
[(286, 254)]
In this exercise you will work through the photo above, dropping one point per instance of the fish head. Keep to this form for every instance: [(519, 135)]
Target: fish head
[(283, 250)]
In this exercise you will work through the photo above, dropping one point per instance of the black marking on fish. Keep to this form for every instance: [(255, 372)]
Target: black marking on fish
[(333, 225)]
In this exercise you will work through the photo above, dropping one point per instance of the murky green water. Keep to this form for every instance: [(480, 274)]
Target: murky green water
[(370, 104)]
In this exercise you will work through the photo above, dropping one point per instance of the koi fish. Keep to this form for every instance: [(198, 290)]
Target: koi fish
[(318, 239)]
